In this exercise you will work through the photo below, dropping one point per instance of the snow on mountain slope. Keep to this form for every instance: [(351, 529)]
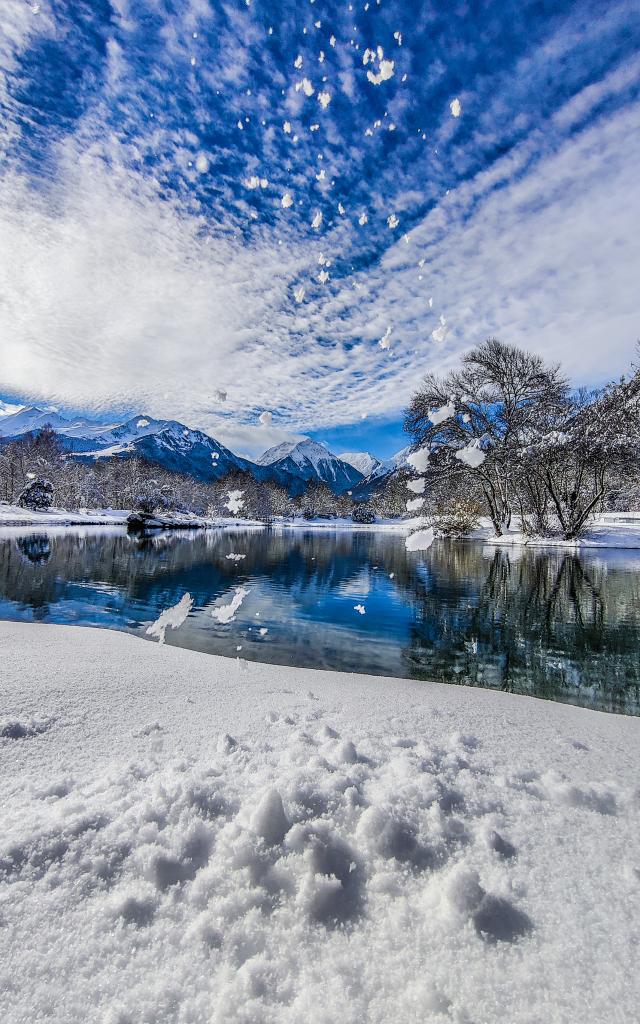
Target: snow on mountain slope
[(180, 449), (307, 459), (32, 418), (378, 477), (6, 409), (364, 462)]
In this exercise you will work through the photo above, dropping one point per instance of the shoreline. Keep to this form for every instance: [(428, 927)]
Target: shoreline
[(619, 531)]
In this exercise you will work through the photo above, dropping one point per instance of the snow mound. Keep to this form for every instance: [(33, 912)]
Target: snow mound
[(227, 612), (171, 618), (285, 850)]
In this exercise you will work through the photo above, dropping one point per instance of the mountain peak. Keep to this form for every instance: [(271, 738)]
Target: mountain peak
[(364, 462)]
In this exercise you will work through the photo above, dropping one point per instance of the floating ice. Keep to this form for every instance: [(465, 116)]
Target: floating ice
[(421, 540), (385, 339), (171, 618), (414, 504), (235, 504), (225, 613)]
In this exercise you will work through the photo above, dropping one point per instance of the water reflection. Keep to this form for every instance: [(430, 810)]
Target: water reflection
[(548, 623)]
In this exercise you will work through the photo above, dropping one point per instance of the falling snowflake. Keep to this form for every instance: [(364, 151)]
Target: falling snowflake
[(287, 200), (265, 418), (392, 221), (298, 293), (202, 163), (385, 339), (317, 220), (324, 99), (455, 107)]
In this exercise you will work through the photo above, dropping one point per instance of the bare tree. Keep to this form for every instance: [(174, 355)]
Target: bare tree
[(477, 420)]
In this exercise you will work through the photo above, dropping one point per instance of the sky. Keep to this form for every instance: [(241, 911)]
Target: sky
[(214, 210)]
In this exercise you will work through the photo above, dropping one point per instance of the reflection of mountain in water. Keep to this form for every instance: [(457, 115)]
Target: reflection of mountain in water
[(548, 623)]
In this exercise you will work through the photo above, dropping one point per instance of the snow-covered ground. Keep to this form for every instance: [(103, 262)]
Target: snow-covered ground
[(191, 839), (14, 515), (609, 530)]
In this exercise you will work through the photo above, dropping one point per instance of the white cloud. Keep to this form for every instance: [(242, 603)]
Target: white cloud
[(116, 297)]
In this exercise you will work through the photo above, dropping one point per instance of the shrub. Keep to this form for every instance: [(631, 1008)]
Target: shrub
[(37, 495), (363, 514), (458, 518)]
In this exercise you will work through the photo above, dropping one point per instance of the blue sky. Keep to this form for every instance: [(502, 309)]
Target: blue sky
[(147, 261)]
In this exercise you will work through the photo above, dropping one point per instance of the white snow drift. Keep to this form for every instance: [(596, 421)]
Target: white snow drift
[(184, 841)]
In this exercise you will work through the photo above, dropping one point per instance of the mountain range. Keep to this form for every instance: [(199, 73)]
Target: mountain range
[(180, 449)]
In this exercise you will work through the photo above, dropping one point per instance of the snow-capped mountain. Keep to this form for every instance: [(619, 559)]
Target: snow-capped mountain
[(167, 442), (379, 475), (6, 409), (397, 461), (308, 460), (183, 450), (364, 462), (25, 420)]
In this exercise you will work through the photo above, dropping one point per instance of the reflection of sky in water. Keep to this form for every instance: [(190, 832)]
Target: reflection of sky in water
[(544, 622)]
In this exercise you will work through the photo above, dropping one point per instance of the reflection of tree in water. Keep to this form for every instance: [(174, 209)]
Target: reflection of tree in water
[(35, 548), (539, 622)]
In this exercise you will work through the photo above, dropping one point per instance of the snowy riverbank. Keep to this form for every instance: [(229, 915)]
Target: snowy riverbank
[(305, 846), (609, 530)]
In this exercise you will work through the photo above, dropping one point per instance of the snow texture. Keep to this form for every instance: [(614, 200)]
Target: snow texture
[(445, 412), (419, 460), (421, 540), (227, 612), (189, 842), (472, 456), (171, 618)]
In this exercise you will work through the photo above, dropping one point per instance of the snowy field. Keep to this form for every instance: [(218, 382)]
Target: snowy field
[(191, 839)]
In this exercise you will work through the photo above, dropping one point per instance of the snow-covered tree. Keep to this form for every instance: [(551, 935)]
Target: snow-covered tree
[(477, 421), (318, 501), (363, 513), (37, 494)]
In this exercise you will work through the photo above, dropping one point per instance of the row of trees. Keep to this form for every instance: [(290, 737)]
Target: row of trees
[(506, 432), (36, 471)]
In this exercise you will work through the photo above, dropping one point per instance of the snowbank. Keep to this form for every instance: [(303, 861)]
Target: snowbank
[(608, 530), (14, 515), (185, 838)]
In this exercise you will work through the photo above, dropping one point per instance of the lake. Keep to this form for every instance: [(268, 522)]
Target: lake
[(544, 622)]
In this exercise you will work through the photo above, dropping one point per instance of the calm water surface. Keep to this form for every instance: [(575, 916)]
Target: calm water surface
[(543, 622)]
